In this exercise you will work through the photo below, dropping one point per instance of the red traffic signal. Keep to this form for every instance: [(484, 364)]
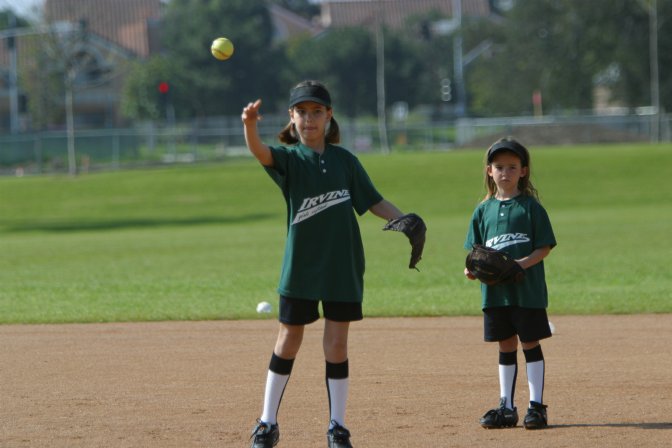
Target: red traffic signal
[(163, 87)]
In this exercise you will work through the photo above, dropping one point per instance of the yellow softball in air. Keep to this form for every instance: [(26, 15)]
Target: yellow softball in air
[(222, 48)]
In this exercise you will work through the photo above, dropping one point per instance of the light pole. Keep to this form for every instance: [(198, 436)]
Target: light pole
[(70, 119), (458, 63), (653, 63), (380, 80), (13, 78), (11, 34), (453, 27)]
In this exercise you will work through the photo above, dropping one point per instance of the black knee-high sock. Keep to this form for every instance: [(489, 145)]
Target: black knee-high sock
[(534, 358), (508, 371), (279, 371), (337, 378)]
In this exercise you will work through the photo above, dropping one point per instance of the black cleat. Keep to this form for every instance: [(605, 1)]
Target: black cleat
[(536, 417), (338, 437), (265, 435), (500, 417)]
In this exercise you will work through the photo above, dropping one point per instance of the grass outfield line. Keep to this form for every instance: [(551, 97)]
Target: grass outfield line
[(205, 242)]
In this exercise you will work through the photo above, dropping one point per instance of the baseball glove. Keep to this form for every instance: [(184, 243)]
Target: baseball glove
[(493, 267), (415, 229)]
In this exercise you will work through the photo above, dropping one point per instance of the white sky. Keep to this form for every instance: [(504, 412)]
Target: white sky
[(24, 8)]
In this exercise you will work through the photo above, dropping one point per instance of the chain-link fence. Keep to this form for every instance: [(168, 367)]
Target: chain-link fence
[(217, 139)]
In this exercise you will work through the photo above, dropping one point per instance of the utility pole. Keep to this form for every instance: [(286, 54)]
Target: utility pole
[(653, 63), (458, 62), (13, 78), (380, 80), (69, 78)]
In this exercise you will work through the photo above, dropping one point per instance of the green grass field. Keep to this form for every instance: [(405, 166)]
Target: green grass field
[(206, 241)]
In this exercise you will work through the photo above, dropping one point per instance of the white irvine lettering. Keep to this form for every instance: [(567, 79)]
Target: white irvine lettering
[(312, 206), (508, 239), (312, 202)]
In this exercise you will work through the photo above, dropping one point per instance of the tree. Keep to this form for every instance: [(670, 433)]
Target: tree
[(421, 54), (563, 47), (141, 98), (45, 89), (5, 15), (665, 52), (61, 59), (417, 61), (204, 85), (533, 53), (345, 60)]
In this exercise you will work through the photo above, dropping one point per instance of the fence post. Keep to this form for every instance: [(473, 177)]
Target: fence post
[(115, 150), (37, 147)]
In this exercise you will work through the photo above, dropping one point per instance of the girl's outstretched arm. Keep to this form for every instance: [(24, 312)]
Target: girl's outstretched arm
[(386, 210), (250, 117)]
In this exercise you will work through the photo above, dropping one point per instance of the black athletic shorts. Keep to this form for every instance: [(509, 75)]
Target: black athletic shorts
[(304, 311), (530, 324)]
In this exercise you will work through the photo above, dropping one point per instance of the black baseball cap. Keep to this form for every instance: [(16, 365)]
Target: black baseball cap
[(511, 146), (311, 92)]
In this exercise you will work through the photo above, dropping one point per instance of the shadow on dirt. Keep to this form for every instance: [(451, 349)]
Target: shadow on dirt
[(659, 425)]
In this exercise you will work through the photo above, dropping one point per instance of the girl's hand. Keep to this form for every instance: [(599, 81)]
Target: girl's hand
[(258, 148), (250, 113), (468, 274)]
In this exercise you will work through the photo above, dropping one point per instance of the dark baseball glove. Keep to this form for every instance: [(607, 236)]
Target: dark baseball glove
[(492, 266), (415, 229)]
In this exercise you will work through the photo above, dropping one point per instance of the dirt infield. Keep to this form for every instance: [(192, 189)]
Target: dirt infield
[(414, 383)]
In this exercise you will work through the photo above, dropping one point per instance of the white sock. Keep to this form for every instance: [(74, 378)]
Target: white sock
[(275, 387), (507, 379), (535, 380), (338, 396)]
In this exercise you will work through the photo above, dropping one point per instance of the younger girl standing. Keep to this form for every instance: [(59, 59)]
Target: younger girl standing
[(512, 220), (323, 186)]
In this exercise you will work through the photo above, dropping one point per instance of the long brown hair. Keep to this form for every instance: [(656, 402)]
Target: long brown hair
[(289, 135), (524, 183)]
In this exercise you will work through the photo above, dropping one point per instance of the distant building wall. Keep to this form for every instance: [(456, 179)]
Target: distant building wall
[(126, 23), (344, 13)]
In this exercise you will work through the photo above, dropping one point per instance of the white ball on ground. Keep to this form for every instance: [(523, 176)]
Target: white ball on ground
[(550, 324), (264, 307)]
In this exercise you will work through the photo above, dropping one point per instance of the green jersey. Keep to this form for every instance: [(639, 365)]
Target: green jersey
[(517, 227), (324, 255)]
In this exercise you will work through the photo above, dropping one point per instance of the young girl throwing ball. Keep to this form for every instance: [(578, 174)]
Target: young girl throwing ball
[(323, 186)]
